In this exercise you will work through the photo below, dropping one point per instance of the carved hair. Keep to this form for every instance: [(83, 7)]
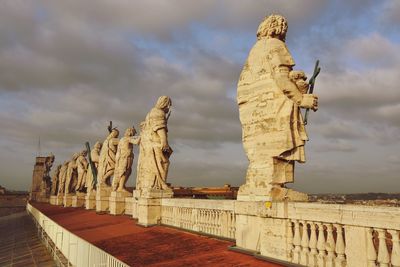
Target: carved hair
[(131, 131), (273, 26), (163, 102)]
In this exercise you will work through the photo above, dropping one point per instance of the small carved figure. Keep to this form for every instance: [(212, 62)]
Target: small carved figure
[(62, 177), (270, 94), (124, 159), (107, 158), (82, 166), (70, 179), (55, 181), (154, 148), (94, 155)]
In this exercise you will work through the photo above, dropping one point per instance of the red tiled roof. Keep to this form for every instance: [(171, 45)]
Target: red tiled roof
[(153, 246)]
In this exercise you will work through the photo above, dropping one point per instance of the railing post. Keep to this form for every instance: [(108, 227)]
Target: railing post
[(321, 245), (304, 244), (383, 254), (296, 242), (340, 247), (395, 259), (371, 252), (312, 259), (330, 246), (289, 234)]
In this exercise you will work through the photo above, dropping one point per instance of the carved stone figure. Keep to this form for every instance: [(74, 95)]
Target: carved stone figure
[(154, 148), (107, 158), (82, 165), (55, 181), (270, 94), (94, 154), (124, 159), (62, 177), (71, 176)]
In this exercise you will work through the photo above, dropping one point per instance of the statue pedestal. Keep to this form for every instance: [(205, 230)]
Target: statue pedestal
[(90, 201), (53, 200), (149, 206), (78, 200), (68, 200), (117, 202), (60, 200), (251, 193), (102, 198)]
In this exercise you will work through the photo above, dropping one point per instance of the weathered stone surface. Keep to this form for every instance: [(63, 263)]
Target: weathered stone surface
[(81, 165), (270, 95), (124, 160), (153, 162), (41, 181), (78, 200), (94, 155), (117, 202)]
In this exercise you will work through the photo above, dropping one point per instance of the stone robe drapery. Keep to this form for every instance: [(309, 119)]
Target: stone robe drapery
[(272, 125)]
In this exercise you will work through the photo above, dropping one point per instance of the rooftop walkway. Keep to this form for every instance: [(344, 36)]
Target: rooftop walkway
[(153, 246), (19, 243)]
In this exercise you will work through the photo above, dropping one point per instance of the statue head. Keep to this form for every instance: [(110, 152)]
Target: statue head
[(97, 146), (164, 103), (273, 26), (83, 153), (131, 131), (75, 156), (114, 133)]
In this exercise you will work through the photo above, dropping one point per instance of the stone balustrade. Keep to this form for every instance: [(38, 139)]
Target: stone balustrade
[(213, 217), (314, 234)]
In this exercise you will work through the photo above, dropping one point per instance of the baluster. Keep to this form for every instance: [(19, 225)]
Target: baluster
[(330, 246), (312, 259), (304, 244), (296, 242), (383, 253), (395, 259), (290, 246), (340, 247), (371, 252), (321, 245)]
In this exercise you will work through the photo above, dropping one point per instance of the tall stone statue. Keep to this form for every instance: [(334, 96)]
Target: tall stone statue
[(107, 158), (270, 94), (62, 177), (154, 148), (82, 165), (124, 159), (71, 176), (94, 154), (55, 181)]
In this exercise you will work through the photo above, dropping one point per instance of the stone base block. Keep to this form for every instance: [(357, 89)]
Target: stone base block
[(128, 205), (78, 201), (90, 201), (60, 200), (155, 193), (250, 193), (117, 202), (149, 211), (53, 200), (102, 198), (68, 200)]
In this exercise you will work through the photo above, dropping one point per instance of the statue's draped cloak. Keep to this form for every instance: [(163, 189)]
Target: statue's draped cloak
[(272, 125)]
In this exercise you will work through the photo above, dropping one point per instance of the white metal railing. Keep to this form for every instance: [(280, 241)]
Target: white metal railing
[(214, 217), (76, 250)]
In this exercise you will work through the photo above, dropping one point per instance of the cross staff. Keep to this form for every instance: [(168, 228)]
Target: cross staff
[(311, 83)]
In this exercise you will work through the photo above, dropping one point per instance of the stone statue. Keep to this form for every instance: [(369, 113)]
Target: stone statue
[(70, 178), (48, 164), (94, 154), (62, 177), (124, 159), (107, 158), (270, 94), (45, 186), (82, 165), (55, 181), (155, 151)]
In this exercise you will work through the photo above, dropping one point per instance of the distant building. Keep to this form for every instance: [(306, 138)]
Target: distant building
[(2, 190), (225, 192)]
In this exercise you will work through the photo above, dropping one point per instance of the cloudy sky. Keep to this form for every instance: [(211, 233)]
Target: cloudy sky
[(69, 67)]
